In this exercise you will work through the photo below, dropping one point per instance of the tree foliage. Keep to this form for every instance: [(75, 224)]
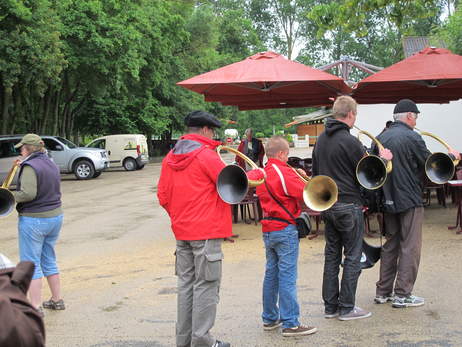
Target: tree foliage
[(92, 67)]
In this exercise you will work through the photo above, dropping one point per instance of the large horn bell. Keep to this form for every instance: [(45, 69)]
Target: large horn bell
[(7, 202), (370, 255), (320, 193), (439, 168), (371, 172), (232, 182)]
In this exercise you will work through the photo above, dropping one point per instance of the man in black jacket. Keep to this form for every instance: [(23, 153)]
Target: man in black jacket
[(403, 208), (336, 154)]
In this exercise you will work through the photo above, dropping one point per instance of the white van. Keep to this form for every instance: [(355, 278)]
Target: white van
[(127, 150)]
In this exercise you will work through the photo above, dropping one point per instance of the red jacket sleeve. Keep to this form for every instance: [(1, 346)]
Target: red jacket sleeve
[(294, 183), (163, 185)]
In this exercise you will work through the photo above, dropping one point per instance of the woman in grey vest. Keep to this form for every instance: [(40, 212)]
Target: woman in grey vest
[(38, 198)]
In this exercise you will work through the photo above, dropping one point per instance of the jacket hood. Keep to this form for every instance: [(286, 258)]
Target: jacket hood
[(187, 148), (333, 125)]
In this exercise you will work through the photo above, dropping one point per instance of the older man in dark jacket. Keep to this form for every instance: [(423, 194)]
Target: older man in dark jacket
[(403, 208)]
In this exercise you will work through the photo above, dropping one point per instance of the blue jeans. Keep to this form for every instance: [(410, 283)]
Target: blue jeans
[(280, 283), (37, 239), (344, 231)]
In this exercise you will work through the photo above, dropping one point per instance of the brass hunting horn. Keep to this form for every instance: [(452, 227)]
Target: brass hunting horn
[(439, 167), (372, 171), (320, 192), (232, 183), (7, 199)]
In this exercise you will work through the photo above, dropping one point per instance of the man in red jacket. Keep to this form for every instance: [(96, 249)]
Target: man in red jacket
[(200, 221), (280, 235)]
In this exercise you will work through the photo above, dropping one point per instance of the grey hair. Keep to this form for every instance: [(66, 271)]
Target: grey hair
[(275, 144), (194, 130), (248, 130), (35, 148), (400, 116)]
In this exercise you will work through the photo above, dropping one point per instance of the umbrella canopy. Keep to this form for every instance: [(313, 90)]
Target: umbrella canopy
[(433, 75), (267, 80)]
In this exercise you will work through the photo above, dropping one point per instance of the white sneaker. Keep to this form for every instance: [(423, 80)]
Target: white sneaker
[(407, 301)]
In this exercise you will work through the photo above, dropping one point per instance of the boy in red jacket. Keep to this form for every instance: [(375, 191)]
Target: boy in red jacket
[(280, 235)]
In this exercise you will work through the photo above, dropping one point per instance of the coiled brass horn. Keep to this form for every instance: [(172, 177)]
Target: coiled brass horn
[(7, 199), (372, 171), (439, 167), (232, 183), (320, 192)]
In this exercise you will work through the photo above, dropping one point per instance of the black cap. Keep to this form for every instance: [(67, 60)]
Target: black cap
[(406, 105), (202, 119)]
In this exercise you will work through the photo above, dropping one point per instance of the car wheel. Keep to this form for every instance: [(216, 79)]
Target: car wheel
[(97, 174), (129, 164), (84, 170), (139, 167)]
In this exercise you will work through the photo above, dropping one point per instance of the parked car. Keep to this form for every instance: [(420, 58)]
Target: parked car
[(84, 162), (127, 150)]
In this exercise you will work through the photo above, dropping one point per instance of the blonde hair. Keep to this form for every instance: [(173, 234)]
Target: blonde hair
[(275, 144), (343, 105)]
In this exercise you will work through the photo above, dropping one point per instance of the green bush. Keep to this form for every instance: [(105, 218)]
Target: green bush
[(289, 138), (259, 135)]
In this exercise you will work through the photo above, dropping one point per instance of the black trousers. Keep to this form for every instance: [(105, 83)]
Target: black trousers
[(344, 231)]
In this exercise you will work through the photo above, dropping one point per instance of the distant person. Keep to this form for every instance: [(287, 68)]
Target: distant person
[(336, 154), (20, 323), (403, 208), (387, 126), (280, 236), (200, 221), (252, 148), (38, 198)]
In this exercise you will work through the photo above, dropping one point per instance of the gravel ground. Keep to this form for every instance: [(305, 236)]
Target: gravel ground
[(116, 259)]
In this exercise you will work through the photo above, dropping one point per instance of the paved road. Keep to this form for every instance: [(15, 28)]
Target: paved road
[(116, 259)]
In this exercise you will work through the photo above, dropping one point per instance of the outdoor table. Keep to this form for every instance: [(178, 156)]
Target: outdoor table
[(457, 185)]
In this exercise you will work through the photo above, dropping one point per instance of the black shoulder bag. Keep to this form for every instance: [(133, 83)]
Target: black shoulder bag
[(303, 222)]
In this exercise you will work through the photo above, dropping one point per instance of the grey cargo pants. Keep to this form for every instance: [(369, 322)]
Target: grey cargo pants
[(400, 255), (198, 267)]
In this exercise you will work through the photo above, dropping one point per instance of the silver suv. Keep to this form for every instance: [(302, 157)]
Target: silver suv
[(84, 162)]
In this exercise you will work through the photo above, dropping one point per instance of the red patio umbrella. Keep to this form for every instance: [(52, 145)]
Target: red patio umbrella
[(433, 75), (267, 80)]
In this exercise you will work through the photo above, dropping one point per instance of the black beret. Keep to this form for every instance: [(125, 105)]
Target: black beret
[(201, 119), (406, 105)]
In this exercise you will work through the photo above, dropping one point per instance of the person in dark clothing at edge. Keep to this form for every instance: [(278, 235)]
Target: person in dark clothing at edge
[(200, 221), (336, 154), (403, 208), (20, 323)]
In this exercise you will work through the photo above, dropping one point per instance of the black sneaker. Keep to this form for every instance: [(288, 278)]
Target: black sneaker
[(54, 305), (272, 326), (221, 344), (298, 331), (329, 315)]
